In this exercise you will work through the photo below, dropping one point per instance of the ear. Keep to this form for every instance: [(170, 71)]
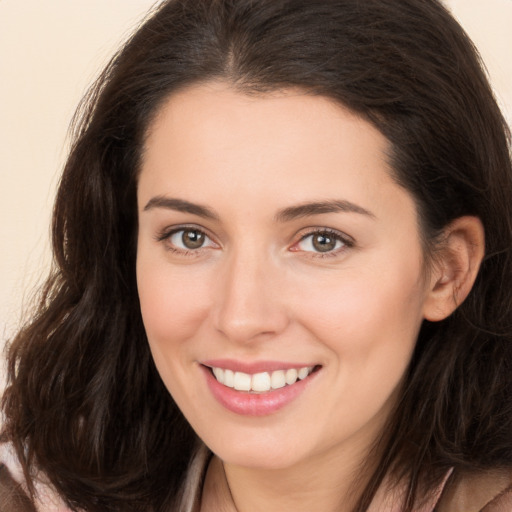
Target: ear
[(455, 267)]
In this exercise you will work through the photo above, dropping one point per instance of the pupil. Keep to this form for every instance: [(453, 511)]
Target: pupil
[(193, 239), (324, 243)]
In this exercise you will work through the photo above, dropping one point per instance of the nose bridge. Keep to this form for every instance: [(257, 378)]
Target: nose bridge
[(248, 299)]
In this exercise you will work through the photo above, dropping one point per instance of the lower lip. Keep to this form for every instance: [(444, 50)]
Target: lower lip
[(255, 404)]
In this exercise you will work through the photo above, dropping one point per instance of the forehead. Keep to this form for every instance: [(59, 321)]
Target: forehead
[(210, 142), (217, 110)]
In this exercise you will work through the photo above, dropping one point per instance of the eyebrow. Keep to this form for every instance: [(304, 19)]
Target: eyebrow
[(284, 215), (181, 205), (317, 208)]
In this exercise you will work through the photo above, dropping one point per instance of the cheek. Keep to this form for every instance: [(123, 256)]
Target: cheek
[(368, 309), (173, 303), (369, 323), (172, 308)]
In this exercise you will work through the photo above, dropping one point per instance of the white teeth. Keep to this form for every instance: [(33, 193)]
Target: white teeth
[(260, 382), (291, 376), (242, 381), (303, 373), (278, 379), (229, 378), (219, 374)]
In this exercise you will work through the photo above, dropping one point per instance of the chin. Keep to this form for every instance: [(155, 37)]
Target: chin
[(260, 451)]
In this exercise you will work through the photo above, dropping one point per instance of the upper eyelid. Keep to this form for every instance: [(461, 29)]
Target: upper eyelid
[(305, 232), (166, 232), (164, 237), (170, 230), (347, 241)]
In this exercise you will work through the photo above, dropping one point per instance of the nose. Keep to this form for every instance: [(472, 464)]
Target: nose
[(249, 303)]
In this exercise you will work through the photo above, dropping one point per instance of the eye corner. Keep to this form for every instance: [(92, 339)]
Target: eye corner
[(329, 242), (175, 240)]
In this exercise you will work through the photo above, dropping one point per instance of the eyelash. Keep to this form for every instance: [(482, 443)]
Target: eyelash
[(347, 242), (165, 237)]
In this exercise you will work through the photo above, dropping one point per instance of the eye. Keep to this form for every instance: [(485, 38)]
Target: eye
[(186, 239), (322, 241)]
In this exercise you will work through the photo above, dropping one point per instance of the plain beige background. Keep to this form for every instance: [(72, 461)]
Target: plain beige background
[(49, 53)]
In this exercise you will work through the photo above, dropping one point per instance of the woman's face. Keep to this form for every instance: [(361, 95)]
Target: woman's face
[(273, 246)]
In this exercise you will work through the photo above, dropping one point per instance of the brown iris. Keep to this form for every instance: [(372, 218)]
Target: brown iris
[(192, 238), (324, 242)]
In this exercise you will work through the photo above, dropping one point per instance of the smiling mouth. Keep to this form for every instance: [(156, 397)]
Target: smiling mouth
[(261, 382)]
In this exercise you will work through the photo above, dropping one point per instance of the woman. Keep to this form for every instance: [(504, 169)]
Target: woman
[(282, 272)]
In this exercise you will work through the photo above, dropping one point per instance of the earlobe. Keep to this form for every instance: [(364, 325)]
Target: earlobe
[(456, 267)]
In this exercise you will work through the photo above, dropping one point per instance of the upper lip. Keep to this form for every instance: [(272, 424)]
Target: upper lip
[(253, 367)]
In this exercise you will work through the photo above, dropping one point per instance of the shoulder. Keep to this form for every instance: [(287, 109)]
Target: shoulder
[(489, 491), (12, 497), (13, 491)]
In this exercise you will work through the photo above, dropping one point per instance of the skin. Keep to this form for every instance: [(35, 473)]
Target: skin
[(259, 290)]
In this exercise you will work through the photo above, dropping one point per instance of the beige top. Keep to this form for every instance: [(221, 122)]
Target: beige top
[(487, 492)]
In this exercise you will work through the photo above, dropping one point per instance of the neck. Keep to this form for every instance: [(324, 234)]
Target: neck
[(331, 480), (328, 485)]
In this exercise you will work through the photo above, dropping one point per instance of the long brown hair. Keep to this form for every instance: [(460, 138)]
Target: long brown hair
[(85, 403)]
